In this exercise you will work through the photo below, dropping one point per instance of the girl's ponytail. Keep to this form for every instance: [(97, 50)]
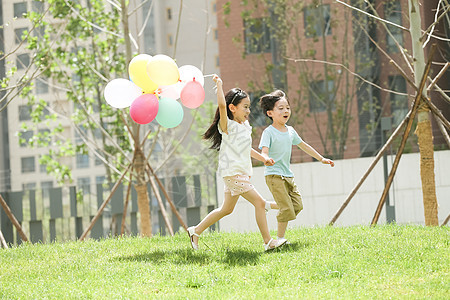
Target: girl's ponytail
[(233, 96)]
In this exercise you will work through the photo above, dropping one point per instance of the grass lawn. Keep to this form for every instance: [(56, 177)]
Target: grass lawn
[(393, 261)]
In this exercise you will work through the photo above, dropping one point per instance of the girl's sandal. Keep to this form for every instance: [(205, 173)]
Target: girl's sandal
[(268, 246), (191, 233)]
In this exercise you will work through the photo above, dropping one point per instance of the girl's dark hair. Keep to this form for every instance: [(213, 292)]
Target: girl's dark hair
[(268, 101), (233, 96)]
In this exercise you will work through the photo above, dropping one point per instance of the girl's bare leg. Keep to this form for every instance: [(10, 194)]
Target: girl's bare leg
[(227, 208), (260, 213)]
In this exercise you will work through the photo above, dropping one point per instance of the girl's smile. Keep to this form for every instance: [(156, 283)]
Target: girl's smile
[(241, 111)]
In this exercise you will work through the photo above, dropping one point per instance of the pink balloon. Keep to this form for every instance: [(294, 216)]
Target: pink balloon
[(192, 95), (144, 108)]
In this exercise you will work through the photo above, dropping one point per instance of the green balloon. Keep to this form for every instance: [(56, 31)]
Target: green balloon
[(170, 113)]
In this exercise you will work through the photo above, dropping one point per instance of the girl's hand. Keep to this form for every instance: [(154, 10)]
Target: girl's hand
[(328, 161), (269, 162), (217, 80)]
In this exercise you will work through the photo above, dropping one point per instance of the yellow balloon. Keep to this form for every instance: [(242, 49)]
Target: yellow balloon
[(163, 70), (138, 73)]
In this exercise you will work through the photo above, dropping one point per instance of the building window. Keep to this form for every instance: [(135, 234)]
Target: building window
[(30, 186), (82, 161), (217, 61), (169, 40), (20, 32), (39, 31), (321, 96), (25, 137), (393, 13), (41, 86), (257, 36), (100, 179), (43, 168), (84, 183), (37, 6), (24, 113), (317, 21), (399, 103), (20, 9), (28, 164), (22, 61), (44, 136), (45, 187), (257, 117), (169, 14), (216, 34)]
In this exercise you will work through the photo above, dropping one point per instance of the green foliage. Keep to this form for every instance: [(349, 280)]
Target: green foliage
[(78, 53), (384, 262)]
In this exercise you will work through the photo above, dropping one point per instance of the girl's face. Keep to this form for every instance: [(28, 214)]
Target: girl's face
[(281, 112), (241, 111)]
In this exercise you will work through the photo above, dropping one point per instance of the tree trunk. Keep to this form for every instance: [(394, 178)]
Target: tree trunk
[(424, 134), (144, 210), (139, 162), (423, 131)]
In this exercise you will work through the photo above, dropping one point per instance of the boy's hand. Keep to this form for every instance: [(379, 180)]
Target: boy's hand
[(269, 162), (328, 161)]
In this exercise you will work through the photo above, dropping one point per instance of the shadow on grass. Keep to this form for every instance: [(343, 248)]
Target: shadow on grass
[(232, 258), (180, 256), (241, 257)]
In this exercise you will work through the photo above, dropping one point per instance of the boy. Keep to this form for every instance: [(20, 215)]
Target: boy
[(276, 142)]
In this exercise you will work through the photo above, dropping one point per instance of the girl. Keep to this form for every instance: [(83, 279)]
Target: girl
[(230, 133)]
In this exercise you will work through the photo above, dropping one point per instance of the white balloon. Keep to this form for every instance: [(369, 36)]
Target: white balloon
[(189, 72), (120, 93), (170, 91)]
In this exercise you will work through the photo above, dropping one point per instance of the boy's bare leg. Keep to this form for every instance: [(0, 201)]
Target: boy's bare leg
[(282, 229), (274, 205)]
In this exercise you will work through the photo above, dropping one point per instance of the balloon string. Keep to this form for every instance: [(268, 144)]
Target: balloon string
[(209, 75)]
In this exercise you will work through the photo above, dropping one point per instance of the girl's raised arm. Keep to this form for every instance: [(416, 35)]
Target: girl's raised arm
[(223, 121)]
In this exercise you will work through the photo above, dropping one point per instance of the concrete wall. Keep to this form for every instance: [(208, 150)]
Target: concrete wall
[(324, 189)]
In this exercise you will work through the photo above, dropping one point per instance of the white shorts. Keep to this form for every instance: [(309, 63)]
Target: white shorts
[(237, 184)]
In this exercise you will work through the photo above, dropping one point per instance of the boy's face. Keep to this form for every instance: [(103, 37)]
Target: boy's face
[(281, 112)]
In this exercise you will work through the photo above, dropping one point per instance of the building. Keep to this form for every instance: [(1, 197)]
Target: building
[(19, 164), (263, 47)]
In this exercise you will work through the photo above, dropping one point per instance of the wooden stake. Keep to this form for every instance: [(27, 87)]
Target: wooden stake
[(174, 209), (125, 207), (409, 124), (161, 205), (2, 240), (13, 219), (442, 129), (446, 220), (102, 207), (363, 178)]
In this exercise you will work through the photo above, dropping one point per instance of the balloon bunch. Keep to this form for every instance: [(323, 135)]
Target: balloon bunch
[(153, 89)]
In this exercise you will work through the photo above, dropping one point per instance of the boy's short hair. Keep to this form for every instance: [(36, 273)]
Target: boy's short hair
[(268, 101)]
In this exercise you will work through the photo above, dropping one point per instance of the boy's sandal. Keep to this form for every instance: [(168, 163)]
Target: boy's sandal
[(191, 233)]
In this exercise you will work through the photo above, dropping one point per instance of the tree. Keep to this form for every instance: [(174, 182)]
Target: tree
[(80, 49), (293, 40), (360, 77)]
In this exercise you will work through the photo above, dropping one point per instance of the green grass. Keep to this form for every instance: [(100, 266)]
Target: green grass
[(399, 262)]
